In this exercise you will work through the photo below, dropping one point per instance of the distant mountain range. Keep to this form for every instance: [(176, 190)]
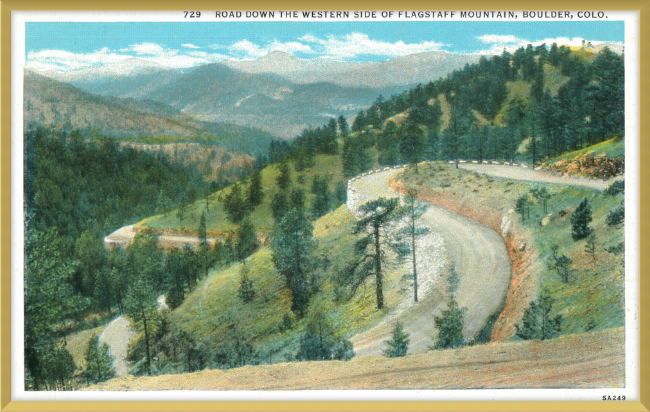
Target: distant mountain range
[(48, 101), (277, 93), (400, 71)]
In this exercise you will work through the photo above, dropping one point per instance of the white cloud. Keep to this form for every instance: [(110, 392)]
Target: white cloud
[(64, 61), (150, 49), (344, 47), (497, 38), (245, 49), (358, 44), (61, 60)]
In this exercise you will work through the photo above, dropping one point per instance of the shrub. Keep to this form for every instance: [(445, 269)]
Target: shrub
[(616, 216), (615, 188), (343, 350)]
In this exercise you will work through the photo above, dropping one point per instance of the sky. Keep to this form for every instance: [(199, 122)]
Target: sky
[(66, 46)]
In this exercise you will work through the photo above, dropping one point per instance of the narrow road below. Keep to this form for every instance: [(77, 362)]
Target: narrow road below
[(537, 175), (478, 253), (117, 336), (123, 237)]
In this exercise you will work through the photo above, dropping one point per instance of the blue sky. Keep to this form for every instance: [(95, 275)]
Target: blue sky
[(65, 46)]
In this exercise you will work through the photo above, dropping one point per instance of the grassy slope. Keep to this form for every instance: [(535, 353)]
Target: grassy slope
[(261, 217), (214, 305), (520, 89), (596, 288), (77, 343), (614, 147)]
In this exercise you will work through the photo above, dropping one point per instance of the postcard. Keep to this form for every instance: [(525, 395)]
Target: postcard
[(325, 205)]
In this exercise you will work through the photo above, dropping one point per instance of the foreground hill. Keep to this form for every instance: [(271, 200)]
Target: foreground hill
[(590, 360)]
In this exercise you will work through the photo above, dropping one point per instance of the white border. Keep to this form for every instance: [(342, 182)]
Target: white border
[(631, 391)]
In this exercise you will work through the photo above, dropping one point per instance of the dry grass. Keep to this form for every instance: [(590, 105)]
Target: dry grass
[(591, 360)]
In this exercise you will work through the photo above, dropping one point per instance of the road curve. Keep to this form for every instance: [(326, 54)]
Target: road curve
[(476, 250)]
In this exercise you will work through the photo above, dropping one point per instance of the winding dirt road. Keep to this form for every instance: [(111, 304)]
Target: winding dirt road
[(117, 336), (123, 237), (537, 175), (477, 252)]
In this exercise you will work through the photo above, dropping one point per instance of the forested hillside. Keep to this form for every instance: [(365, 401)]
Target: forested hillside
[(533, 104), (75, 193)]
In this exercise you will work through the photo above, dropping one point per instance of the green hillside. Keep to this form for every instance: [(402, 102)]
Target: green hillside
[(261, 217), (217, 318), (614, 147)]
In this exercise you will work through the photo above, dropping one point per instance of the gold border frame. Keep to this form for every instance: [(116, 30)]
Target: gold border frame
[(6, 6)]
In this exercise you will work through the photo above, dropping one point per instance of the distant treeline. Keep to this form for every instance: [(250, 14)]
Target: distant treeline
[(482, 120)]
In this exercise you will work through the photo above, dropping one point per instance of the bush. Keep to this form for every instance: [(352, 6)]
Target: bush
[(343, 350), (320, 342), (616, 216), (616, 249), (398, 344), (615, 188), (314, 347)]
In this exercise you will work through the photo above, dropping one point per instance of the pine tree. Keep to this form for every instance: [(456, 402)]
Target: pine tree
[(49, 300), (321, 203), (246, 290), (234, 205), (580, 220), (279, 207), (590, 246), (140, 306), (542, 195), (98, 362), (293, 247), (450, 326), (284, 178), (537, 322), (560, 263), (343, 127), (522, 206), (247, 242), (255, 193), (297, 198), (378, 214), (412, 212), (203, 231), (398, 343)]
